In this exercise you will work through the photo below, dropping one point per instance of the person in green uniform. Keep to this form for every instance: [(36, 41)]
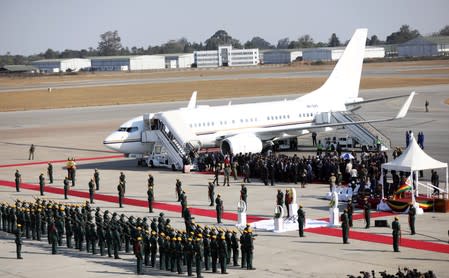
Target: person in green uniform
[(243, 248), (18, 241), (222, 254), (301, 221), (150, 194), (115, 240), (211, 193), (121, 193), (138, 252), (350, 208), (188, 255), (53, 236), (153, 248), (150, 180), (367, 213), (235, 248), (50, 172), (214, 252), (198, 249), (122, 179), (68, 231), (178, 189), (411, 218), (178, 252), (41, 184), (31, 152), (219, 208), (18, 180), (345, 226), (396, 233), (97, 179), (161, 243), (91, 190), (249, 246), (244, 193), (66, 187)]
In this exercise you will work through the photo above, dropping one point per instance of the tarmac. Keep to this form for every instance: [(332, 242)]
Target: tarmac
[(79, 132)]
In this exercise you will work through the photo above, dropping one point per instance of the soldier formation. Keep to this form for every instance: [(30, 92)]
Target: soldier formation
[(110, 234)]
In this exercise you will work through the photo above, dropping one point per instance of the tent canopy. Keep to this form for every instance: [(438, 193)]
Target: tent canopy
[(413, 159)]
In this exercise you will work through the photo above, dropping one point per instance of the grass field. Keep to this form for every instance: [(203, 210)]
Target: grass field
[(144, 93)]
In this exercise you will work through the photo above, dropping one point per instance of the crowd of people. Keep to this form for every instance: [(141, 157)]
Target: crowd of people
[(105, 233)]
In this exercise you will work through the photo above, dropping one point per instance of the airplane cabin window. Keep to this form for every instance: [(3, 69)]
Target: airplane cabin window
[(132, 129), (122, 129)]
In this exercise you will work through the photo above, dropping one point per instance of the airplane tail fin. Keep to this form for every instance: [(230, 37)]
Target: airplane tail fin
[(344, 81)]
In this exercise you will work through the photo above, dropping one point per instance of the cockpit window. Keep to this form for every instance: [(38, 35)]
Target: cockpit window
[(128, 129)]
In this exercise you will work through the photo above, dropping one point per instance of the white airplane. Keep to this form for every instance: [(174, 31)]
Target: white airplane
[(250, 127)]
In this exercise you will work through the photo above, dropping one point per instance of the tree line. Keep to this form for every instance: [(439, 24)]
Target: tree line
[(110, 45)]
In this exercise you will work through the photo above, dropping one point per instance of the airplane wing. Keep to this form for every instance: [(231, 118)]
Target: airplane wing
[(373, 100)]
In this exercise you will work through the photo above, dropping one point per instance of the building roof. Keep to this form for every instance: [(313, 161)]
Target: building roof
[(430, 39), (124, 57), (18, 68)]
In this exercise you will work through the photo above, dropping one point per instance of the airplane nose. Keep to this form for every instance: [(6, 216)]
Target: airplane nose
[(113, 141)]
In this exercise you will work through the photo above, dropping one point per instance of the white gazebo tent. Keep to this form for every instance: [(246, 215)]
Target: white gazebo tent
[(415, 159)]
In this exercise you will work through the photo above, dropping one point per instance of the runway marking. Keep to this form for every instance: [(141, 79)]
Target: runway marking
[(362, 236), (60, 161)]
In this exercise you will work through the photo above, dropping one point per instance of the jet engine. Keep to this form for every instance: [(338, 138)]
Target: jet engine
[(241, 143)]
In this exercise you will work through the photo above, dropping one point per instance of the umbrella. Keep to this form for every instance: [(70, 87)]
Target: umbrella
[(347, 156)]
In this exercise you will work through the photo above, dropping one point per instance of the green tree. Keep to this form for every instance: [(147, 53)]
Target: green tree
[(404, 34), (110, 44), (258, 42), (444, 31), (374, 40), (50, 54), (219, 38), (305, 41), (334, 41), (283, 43)]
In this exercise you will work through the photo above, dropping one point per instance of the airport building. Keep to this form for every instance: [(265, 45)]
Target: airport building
[(61, 65), (280, 56), (225, 56), (178, 61), (127, 63), (424, 47), (334, 53)]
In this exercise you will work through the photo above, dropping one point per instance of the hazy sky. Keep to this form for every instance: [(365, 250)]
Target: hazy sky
[(32, 26)]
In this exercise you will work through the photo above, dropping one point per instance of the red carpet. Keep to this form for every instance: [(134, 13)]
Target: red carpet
[(405, 242), (129, 201), (60, 161), (410, 243)]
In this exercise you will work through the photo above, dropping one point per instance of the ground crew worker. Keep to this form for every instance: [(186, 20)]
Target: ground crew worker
[(97, 179), (345, 226), (219, 208), (41, 183), (150, 194), (211, 193), (19, 241), (411, 218), (50, 172), (138, 252), (367, 213), (244, 194), (66, 187), (301, 221), (121, 193), (91, 190), (18, 180), (31, 153), (396, 233)]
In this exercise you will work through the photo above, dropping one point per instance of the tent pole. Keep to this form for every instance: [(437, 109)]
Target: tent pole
[(417, 184), (413, 189)]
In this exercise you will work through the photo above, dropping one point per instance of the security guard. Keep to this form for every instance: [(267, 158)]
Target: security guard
[(350, 208), (66, 187), (211, 193), (97, 180), (122, 179), (18, 180), (411, 218), (301, 221), (91, 190), (41, 184), (396, 233), (18, 241), (222, 253), (244, 194), (345, 226), (198, 249), (214, 252), (138, 252), (219, 208), (367, 213), (50, 172), (235, 248), (249, 247), (150, 194), (150, 180), (178, 188), (121, 194)]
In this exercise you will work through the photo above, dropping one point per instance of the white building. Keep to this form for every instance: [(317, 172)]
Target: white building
[(280, 56), (61, 65), (226, 56), (334, 53), (177, 61), (127, 63), (424, 46)]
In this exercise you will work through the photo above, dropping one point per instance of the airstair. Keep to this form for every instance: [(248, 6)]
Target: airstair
[(365, 134)]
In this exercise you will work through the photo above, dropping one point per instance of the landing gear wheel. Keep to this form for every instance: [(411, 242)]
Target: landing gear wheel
[(173, 167), (151, 164)]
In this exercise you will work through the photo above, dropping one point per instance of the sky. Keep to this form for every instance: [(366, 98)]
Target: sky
[(30, 27)]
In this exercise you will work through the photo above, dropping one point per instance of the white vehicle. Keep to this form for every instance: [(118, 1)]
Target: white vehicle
[(160, 158), (251, 127)]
